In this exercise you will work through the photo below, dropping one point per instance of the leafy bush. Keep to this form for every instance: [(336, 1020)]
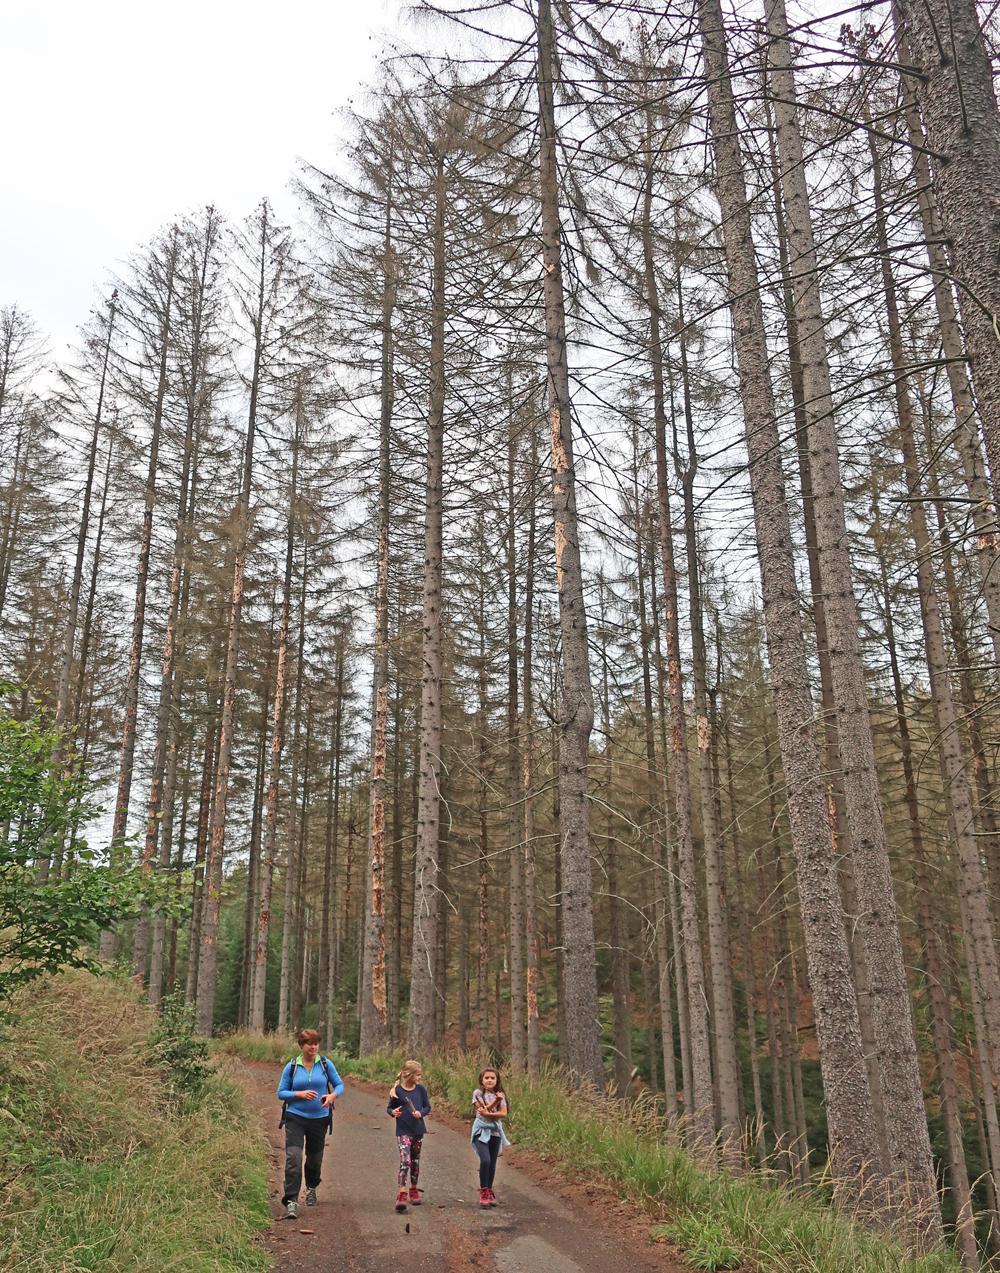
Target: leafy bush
[(45, 802), (177, 1047)]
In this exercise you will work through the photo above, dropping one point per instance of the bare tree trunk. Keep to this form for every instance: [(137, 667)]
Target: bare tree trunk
[(208, 954), (952, 79), (277, 747), (423, 988), (253, 860), (69, 633), (373, 1011), (482, 724), (528, 784), (301, 929), (699, 1099), (982, 953), (745, 931), (654, 814), (328, 950), (131, 711), (937, 994), (515, 821), (201, 847), (909, 1166), (577, 708), (720, 965), (674, 933), (289, 876), (854, 1151), (967, 440), (164, 721), (621, 1008), (832, 763)]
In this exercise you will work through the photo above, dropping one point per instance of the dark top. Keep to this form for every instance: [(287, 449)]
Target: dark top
[(414, 1105)]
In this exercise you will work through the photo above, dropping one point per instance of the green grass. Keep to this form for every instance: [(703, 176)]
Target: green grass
[(257, 1047), (716, 1220), (126, 1175)]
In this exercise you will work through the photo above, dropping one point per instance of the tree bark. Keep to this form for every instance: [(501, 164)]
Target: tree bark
[(263, 926), (854, 1152), (909, 1167), (374, 1018), (952, 79), (576, 712), (423, 987), (208, 954)]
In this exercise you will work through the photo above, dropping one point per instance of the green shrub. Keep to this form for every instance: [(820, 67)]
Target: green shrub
[(179, 1050)]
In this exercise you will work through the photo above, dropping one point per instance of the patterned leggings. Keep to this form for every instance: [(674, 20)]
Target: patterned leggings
[(409, 1159)]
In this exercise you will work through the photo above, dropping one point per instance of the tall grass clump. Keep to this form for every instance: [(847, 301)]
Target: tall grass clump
[(717, 1220), (119, 1149), (252, 1046)]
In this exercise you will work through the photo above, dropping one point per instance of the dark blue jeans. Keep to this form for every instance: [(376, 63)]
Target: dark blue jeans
[(487, 1151)]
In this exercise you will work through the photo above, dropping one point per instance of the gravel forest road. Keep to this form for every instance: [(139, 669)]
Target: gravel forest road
[(541, 1226)]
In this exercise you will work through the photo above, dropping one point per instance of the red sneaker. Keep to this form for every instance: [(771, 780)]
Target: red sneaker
[(484, 1198), (493, 1198), (401, 1200), (415, 1198)]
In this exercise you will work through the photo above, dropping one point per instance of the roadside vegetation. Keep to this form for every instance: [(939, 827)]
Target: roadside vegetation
[(717, 1221), (120, 1148)]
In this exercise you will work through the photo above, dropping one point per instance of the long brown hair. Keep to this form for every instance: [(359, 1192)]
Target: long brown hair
[(498, 1090)]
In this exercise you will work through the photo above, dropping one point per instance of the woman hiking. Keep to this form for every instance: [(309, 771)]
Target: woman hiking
[(308, 1087), (409, 1105), (489, 1104)]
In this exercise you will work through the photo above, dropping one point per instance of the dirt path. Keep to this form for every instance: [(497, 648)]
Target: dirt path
[(355, 1230)]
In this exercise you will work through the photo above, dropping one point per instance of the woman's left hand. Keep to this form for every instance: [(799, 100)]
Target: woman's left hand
[(329, 1101)]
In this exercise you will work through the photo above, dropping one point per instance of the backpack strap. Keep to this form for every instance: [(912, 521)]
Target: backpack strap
[(284, 1104), (329, 1087)]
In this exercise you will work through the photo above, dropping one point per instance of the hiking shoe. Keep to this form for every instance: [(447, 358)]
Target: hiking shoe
[(310, 1197), (484, 1198), (493, 1198), (291, 1210), (401, 1200), (415, 1198)]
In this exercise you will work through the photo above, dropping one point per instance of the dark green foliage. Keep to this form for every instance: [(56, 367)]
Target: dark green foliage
[(177, 1047), (44, 805)]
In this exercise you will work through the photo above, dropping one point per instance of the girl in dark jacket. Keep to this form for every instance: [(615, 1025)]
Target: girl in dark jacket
[(409, 1105)]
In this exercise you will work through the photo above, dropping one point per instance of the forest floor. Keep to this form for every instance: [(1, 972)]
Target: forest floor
[(542, 1225)]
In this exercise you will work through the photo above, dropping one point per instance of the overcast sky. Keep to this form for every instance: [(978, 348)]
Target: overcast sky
[(120, 114)]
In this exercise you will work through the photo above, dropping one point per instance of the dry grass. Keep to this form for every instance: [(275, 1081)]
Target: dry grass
[(123, 1175)]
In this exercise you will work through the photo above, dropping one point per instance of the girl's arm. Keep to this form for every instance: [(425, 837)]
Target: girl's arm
[(496, 1109)]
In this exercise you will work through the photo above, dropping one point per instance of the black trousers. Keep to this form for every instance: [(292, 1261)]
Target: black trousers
[(487, 1152), (308, 1134)]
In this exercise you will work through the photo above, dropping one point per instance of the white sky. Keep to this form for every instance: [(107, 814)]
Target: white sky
[(120, 114)]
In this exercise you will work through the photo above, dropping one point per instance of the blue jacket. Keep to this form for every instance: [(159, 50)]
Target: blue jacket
[(322, 1078)]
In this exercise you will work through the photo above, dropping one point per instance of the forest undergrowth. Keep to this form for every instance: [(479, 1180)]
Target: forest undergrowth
[(717, 1220), (114, 1135)]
